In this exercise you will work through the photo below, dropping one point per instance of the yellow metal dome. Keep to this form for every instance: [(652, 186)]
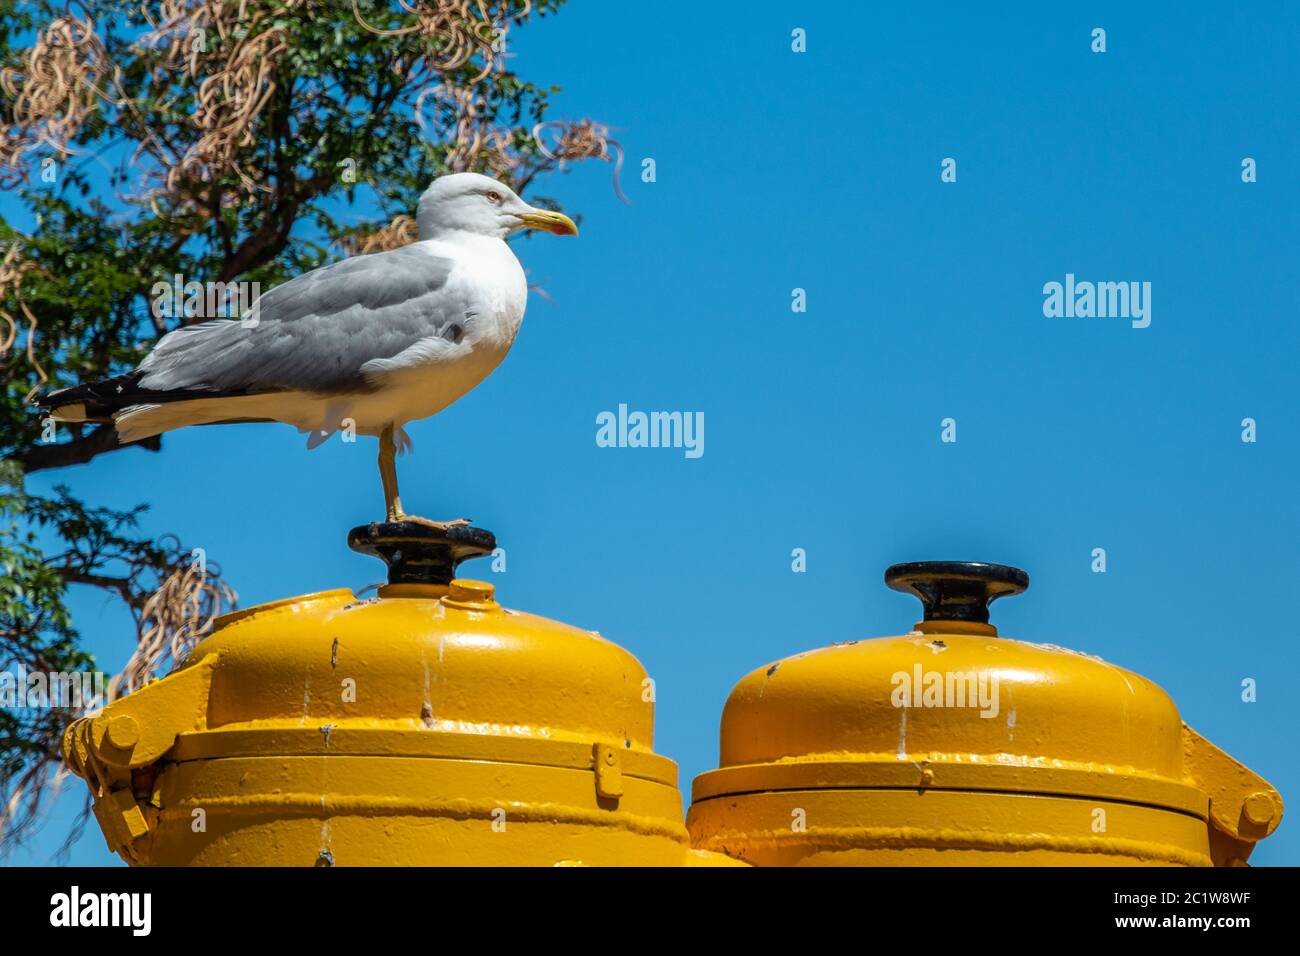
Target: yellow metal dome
[(446, 658), (427, 725), (951, 744)]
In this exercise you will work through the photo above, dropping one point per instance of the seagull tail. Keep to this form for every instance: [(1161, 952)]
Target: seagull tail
[(144, 421), (140, 412), (92, 402)]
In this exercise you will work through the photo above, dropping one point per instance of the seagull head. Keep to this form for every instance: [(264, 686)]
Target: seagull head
[(470, 202)]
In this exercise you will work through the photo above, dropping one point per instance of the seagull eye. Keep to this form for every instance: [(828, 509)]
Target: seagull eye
[(493, 196)]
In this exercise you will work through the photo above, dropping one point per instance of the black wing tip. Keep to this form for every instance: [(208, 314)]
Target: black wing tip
[(106, 396), (102, 391)]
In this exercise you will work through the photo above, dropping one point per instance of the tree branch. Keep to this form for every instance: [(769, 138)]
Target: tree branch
[(120, 585), (79, 450)]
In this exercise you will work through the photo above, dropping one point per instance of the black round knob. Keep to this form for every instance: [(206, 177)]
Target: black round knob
[(419, 554), (956, 590)]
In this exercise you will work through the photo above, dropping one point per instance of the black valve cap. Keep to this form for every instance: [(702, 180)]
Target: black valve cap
[(956, 590), (419, 554)]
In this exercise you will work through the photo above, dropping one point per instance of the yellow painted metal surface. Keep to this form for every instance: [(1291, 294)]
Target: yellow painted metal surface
[(855, 755), (432, 726), (427, 726)]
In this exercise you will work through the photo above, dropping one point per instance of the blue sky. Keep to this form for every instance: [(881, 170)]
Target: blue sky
[(822, 171)]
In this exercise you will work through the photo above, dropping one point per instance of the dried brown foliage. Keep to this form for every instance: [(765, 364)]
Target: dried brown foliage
[(573, 142), (170, 618), (12, 270), (230, 54), (171, 621), (456, 31), (229, 50), (401, 231), (56, 91)]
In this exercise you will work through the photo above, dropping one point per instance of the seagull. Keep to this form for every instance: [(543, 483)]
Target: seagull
[(371, 342)]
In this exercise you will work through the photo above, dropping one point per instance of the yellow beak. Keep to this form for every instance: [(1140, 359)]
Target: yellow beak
[(555, 222)]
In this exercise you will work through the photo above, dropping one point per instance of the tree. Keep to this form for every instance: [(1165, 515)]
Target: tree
[(216, 140)]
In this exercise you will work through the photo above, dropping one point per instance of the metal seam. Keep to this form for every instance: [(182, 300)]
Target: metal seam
[(314, 805), (911, 838)]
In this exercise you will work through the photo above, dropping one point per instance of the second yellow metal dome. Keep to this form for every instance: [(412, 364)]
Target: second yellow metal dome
[(951, 744)]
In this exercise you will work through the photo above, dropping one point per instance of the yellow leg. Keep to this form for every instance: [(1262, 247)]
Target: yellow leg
[(388, 475)]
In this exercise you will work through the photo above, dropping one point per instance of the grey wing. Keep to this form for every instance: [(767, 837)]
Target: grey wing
[(317, 331)]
